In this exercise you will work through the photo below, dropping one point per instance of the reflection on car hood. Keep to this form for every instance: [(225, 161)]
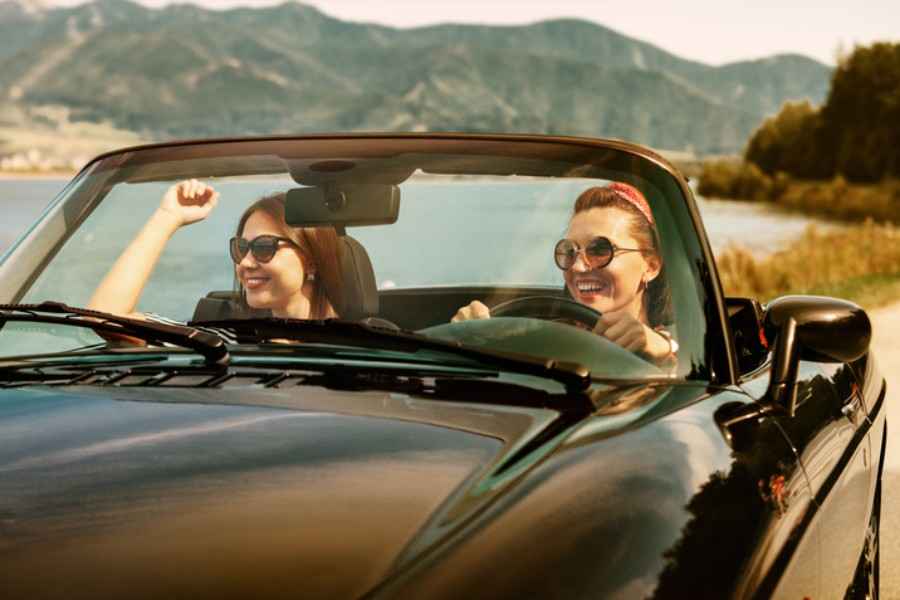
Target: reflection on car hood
[(192, 492)]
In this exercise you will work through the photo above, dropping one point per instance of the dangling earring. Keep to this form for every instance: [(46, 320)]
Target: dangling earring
[(310, 276)]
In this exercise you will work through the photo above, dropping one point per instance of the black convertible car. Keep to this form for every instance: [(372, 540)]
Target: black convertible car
[(507, 371)]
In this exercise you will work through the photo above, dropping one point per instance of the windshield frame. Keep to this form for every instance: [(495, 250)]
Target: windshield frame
[(27, 257)]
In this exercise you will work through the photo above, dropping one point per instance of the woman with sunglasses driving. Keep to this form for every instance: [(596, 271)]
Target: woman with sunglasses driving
[(611, 261), (290, 272)]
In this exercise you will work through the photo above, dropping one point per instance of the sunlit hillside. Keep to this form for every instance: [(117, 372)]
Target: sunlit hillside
[(184, 71)]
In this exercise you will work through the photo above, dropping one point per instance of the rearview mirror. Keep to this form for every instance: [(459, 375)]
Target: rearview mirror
[(342, 205), (813, 328)]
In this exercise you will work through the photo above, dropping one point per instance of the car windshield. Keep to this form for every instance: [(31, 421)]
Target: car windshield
[(571, 252)]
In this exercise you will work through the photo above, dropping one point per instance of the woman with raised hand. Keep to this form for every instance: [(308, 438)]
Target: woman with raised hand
[(291, 272)]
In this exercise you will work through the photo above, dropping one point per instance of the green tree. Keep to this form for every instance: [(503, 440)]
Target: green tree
[(855, 134), (861, 115), (790, 142)]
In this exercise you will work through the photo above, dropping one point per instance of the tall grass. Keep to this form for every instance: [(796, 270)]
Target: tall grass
[(838, 199), (833, 199), (859, 262)]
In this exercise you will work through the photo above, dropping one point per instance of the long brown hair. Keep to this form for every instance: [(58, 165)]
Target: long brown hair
[(658, 296), (317, 245)]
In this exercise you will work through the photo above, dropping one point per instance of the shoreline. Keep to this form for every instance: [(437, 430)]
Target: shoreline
[(726, 219), (37, 175)]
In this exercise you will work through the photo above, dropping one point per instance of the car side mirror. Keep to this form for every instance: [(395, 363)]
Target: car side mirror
[(813, 328)]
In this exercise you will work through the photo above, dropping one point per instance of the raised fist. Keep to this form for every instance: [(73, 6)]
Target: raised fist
[(189, 201)]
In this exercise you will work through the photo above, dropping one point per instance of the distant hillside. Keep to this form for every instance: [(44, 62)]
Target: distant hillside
[(185, 71)]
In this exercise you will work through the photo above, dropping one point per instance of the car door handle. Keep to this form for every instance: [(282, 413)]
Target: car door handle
[(850, 408)]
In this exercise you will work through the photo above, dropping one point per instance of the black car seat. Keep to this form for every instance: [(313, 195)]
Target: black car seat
[(360, 301), (360, 289)]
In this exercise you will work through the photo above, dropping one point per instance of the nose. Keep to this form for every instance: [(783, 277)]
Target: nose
[(248, 262), (580, 265)]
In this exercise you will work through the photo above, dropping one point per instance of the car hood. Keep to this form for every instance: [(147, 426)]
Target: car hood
[(236, 491)]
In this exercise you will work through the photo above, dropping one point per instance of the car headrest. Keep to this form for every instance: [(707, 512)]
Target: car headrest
[(360, 292), (223, 305)]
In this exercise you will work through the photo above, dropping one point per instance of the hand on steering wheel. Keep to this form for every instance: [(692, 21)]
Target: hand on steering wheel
[(551, 308)]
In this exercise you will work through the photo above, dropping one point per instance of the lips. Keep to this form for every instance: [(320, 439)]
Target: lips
[(253, 283)]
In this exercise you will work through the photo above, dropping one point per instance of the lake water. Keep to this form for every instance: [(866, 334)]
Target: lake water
[(752, 226)]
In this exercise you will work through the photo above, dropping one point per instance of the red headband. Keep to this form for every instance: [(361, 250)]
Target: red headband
[(634, 197)]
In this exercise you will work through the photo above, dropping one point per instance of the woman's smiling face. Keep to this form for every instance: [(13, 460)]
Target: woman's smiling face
[(622, 282), (277, 285)]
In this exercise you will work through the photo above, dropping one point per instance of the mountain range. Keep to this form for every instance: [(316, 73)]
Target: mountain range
[(184, 71)]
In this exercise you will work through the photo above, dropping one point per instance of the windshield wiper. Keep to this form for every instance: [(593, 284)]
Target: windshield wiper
[(209, 345), (575, 377)]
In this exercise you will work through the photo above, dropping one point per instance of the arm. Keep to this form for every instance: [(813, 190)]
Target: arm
[(184, 203)]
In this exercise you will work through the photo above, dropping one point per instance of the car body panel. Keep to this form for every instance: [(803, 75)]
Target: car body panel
[(632, 515), (153, 465)]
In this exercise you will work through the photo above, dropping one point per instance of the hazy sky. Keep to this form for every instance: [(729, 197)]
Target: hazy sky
[(711, 31)]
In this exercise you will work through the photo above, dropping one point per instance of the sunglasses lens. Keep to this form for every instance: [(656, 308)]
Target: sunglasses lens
[(600, 252), (238, 248), (565, 254), (264, 248)]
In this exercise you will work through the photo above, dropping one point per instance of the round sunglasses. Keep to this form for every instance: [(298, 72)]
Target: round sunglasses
[(598, 253), (263, 247)]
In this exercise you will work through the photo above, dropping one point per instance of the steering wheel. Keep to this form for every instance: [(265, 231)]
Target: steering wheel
[(551, 308)]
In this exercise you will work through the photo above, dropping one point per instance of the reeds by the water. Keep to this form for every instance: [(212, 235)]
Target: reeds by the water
[(840, 200), (832, 199), (860, 262)]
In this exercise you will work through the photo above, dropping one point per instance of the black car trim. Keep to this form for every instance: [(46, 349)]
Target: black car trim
[(873, 414)]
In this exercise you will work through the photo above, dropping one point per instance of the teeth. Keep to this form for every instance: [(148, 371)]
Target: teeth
[(590, 286)]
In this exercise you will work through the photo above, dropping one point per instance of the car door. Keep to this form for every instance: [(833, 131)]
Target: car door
[(830, 434)]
